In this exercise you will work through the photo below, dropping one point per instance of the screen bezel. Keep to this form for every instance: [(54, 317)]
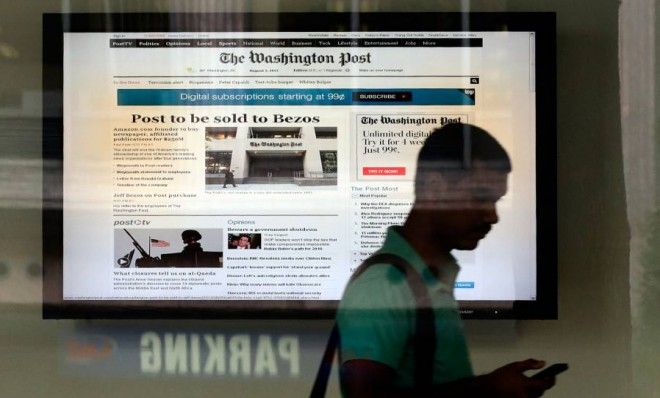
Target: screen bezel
[(55, 25)]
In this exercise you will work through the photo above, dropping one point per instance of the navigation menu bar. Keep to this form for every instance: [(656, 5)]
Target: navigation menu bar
[(293, 43)]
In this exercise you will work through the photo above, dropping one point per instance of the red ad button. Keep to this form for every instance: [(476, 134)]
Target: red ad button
[(383, 171)]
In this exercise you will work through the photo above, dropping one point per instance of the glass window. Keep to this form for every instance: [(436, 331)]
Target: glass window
[(325, 132)]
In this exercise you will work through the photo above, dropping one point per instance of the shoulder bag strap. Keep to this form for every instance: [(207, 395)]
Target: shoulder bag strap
[(424, 340)]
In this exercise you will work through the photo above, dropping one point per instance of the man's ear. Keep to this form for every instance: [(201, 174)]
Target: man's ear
[(430, 187)]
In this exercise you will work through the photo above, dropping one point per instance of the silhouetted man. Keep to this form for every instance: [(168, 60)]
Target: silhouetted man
[(229, 179), (191, 240), (402, 336)]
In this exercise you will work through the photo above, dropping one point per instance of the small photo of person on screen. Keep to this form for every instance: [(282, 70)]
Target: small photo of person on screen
[(243, 241)]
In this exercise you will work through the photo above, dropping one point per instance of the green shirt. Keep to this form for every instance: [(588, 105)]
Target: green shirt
[(376, 317)]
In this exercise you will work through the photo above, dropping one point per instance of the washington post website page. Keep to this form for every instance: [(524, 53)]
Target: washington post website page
[(267, 166)]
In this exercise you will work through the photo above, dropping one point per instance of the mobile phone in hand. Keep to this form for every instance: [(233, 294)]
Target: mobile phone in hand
[(551, 371)]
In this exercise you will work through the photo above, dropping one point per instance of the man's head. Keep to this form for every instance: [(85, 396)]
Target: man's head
[(244, 241), (461, 174), (190, 236)]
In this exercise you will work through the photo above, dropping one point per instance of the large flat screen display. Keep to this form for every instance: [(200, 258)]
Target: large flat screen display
[(243, 165)]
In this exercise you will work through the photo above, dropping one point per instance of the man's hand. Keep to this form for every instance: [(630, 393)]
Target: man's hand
[(510, 382), (364, 378)]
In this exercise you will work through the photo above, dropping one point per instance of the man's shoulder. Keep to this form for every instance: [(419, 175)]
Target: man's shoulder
[(381, 285), (378, 273)]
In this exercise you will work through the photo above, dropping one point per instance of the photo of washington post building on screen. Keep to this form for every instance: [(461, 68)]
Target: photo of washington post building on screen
[(271, 158)]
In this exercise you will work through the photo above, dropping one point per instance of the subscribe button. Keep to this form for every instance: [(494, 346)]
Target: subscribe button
[(382, 96), (383, 171)]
